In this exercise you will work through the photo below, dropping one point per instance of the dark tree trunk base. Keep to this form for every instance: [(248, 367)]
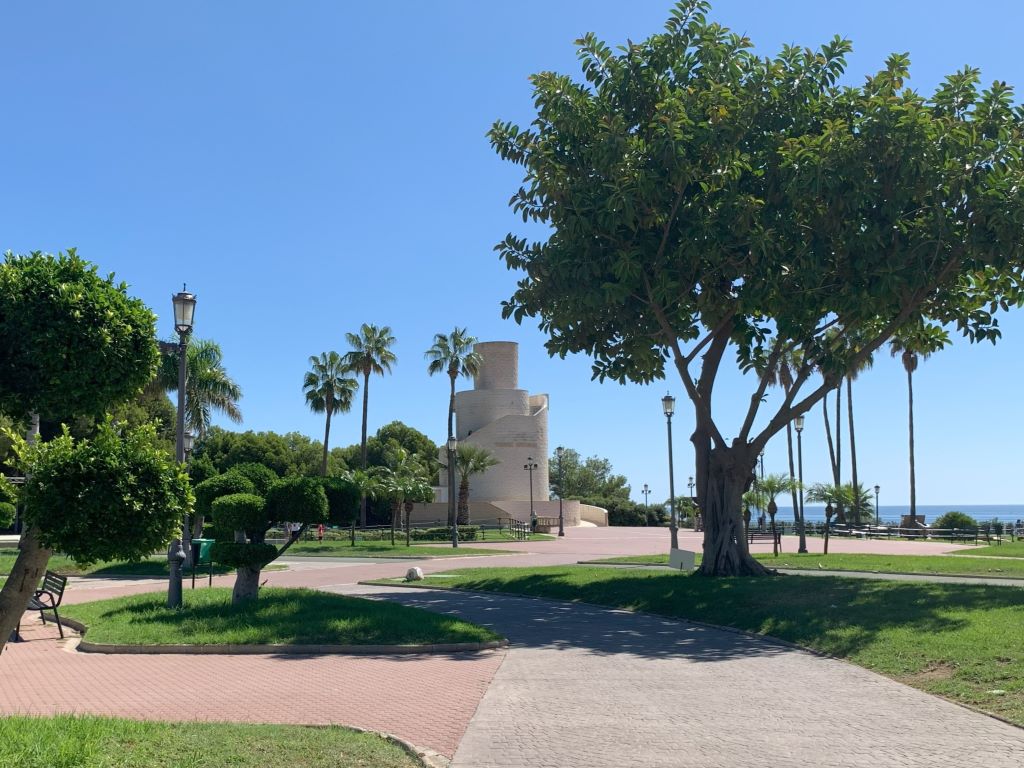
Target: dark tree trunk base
[(26, 573), (247, 585)]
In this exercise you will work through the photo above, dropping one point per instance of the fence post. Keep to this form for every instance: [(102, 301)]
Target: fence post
[(353, 533)]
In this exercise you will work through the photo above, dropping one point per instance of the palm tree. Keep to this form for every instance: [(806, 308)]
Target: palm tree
[(851, 375), (371, 353), (911, 345), (763, 496), (328, 391), (470, 460), (403, 479), (453, 354), (208, 387), (783, 375), (831, 495)]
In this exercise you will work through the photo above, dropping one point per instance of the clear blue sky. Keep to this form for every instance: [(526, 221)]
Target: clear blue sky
[(307, 167)]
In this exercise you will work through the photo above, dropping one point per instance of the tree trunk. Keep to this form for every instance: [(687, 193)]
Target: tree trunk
[(828, 439), (913, 479), (247, 585), (453, 514), (853, 450), (23, 581), (366, 395), (408, 514), (840, 513), (464, 500), (197, 526), (396, 510), (729, 474), (327, 437)]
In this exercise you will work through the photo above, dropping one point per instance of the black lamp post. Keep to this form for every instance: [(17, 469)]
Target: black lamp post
[(452, 445), (668, 405), (561, 519), (799, 423), (184, 312), (647, 498), (877, 489), (693, 502), (189, 444), (529, 466)]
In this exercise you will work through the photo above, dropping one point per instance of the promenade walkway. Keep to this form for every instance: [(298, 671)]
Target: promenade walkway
[(580, 686)]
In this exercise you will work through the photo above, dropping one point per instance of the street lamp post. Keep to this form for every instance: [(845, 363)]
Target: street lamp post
[(184, 313), (529, 466), (877, 489), (668, 405), (452, 445), (800, 463), (647, 499), (561, 518)]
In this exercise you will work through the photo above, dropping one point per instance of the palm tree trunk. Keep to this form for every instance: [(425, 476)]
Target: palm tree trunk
[(913, 480), (327, 437), (840, 512), (828, 439), (452, 513), (366, 398), (463, 515), (853, 449)]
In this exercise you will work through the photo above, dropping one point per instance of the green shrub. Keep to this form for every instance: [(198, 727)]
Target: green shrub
[(261, 476), (239, 512), (8, 493), (955, 520), (297, 500), (7, 513), (236, 555), (342, 500), (466, 533), (217, 486)]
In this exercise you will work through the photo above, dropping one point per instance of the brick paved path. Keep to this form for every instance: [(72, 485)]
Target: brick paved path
[(592, 687)]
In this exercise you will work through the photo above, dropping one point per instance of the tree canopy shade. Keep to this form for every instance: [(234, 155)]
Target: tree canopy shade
[(700, 199), (72, 343)]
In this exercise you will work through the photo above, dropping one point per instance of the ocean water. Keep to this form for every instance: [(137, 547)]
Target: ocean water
[(893, 512)]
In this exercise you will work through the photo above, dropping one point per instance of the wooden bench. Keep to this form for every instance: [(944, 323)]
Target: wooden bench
[(756, 535), (47, 598)]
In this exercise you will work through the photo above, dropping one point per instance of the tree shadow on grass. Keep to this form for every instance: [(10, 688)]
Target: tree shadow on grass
[(835, 615)]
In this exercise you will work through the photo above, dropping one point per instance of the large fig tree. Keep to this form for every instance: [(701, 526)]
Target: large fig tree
[(72, 343), (698, 201)]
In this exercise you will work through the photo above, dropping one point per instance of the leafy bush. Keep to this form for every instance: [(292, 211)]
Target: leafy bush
[(7, 513), (955, 520), (342, 500), (239, 512), (236, 555), (620, 511), (297, 500), (217, 486), (261, 476), (8, 493), (112, 497), (466, 533)]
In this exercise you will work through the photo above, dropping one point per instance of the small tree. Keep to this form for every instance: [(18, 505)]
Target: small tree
[(470, 460), (208, 491), (763, 497)]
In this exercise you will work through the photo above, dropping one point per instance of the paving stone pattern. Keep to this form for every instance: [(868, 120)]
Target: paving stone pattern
[(591, 687)]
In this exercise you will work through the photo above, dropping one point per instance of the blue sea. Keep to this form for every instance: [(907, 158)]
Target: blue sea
[(893, 513)]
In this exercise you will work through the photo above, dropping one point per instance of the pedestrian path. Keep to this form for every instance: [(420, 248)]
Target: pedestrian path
[(589, 687)]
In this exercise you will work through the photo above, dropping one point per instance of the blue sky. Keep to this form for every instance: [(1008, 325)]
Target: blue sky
[(307, 167)]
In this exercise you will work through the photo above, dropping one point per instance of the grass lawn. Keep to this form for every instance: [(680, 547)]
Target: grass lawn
[(68, 741), (1006, 549), (962, 641), (930, 564), (383, 549), (289, 616), (153, 566)]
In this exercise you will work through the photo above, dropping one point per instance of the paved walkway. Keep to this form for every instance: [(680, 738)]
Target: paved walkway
[(592, 687)]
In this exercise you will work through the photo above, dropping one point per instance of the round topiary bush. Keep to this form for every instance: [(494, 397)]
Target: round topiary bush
[(955, 520), (297, 500), (239, 512), (7, 513), (217, 486), (243, 556), (261, 476)]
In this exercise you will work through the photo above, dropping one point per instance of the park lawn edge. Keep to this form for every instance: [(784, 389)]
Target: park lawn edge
[(710, 625)]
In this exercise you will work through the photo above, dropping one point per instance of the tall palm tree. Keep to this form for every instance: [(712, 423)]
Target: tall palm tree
[(783, 375), (370, 353), (851, 375), (328, 391), (403, 479), (470, 460), (912, 345), (208, 387), (453, 354)]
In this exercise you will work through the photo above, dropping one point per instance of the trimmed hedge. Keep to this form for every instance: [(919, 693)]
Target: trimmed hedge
[(297, 500), (239, 512), (261, 476), (217, 486), (235, 555), (466, 533), (955, 520)]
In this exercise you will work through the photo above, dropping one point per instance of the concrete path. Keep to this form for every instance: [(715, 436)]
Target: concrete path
[(592, 687)]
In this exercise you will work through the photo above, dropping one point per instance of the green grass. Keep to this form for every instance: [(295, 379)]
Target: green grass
[(70, 741), (383, 549), (961, 641), (927, 564), (289, 616), (1006, 549), (154, 566)]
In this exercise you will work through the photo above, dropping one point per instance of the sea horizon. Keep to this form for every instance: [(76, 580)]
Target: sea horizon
[(893, 512)]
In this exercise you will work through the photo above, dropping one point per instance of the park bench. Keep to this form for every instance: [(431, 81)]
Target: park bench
[(47, 598), (546, 524), (757, 535)]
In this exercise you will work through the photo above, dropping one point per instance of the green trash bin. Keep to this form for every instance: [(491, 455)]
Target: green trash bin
[(201, 550)]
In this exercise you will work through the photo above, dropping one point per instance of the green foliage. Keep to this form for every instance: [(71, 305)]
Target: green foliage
[(297, 500), (8, 491), (217, 486), (289, 455), (112, 497), (208, 387), (150, 405), (585, 478), (237, 555), (239, 512), (342, 500), (466, 533), (621, 511), (394, 433), (200, 468), (71, 343), (261, 477), (7, 514), (955, 520)]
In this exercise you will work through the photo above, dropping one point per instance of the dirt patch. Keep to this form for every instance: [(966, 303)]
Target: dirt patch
[(932, 672)]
